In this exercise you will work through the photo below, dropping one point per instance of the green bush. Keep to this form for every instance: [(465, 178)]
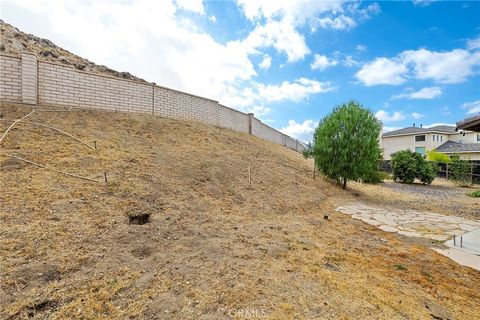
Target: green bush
[(474, 194), (404, 166), (426, 172), (408, 165), (459, 171)]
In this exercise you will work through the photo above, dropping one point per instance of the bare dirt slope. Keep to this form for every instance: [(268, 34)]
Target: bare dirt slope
[(215, 244)]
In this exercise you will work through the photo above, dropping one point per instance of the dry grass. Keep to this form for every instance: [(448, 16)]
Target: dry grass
[(213, 243)]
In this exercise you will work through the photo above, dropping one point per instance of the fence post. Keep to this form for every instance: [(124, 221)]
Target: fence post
[(471, 172), (29, 78), (153, 99), (446, 174), (250, 123)]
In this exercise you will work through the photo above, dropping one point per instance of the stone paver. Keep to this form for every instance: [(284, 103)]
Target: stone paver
[(410, 222), (429, 225)]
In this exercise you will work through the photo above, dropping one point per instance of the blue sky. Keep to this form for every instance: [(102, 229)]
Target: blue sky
[(290, 62)]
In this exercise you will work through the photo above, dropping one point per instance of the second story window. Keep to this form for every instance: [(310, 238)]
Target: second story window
[(478, 137), (420, 138)]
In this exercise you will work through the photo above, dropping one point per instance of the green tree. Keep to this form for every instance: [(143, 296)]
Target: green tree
[(436, 156), (345, 143)]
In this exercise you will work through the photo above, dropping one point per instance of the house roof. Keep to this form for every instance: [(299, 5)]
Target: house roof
[(472, 123), (454, 147), (413, 130)]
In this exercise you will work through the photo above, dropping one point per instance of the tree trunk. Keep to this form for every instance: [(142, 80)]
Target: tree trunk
[(344, 183)]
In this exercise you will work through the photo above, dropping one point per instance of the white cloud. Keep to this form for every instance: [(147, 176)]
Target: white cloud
[(266, 62), (385, 116), (422, 3), (361, 48), (280, 35), (388, 129), (191, 5), (258, 95), (473, 44), (439, 124), (425, 93), (277, 22), (296, 91), (301, 131), (382, 71), (338, 23), (472, 107), (259, 111), (350, 62), (417, 116), (321, 62), (212, 18), (296, 11), (444, 67)]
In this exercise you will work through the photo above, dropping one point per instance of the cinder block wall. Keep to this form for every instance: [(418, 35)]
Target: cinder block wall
[(27, 80), (59, 85), (176, 104), (233, 119), (10, 78)]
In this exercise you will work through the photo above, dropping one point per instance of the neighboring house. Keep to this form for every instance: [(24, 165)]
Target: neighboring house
[(472, 123), (445, 139)]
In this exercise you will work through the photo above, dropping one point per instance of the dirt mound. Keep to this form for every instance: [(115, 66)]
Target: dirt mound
[(14, 41), (217, 244)]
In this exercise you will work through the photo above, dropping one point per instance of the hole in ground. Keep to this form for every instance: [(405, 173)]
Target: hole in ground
[(139, 219)]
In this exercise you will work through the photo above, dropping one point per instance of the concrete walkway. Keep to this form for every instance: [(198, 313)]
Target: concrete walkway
[(429, 225)]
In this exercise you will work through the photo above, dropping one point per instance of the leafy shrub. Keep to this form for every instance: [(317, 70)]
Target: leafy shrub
[(474, 194), (408, 165), (404, 166), (460, 172), (426, 172)]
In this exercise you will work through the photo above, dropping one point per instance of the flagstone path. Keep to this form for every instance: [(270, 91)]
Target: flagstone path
[(414, 223), (411, 222)]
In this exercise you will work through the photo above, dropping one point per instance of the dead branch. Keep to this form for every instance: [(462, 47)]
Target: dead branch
[(14, 123), (55, 110), (51, 169), (58, 130)]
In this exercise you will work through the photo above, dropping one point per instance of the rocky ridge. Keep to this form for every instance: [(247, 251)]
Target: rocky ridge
[(14, 41)]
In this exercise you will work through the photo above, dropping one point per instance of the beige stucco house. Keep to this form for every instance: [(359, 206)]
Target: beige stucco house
[(445, 139)]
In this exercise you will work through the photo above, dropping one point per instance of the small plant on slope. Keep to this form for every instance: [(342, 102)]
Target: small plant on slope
[(474, 194)]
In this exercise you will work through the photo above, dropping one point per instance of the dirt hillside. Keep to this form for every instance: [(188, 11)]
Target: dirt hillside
[(214, 243)]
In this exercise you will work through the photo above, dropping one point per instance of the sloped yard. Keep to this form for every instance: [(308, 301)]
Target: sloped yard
[(218, 238)]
